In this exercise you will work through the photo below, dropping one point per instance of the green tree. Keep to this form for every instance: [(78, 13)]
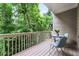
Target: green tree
[(6, 25), (23, 18)]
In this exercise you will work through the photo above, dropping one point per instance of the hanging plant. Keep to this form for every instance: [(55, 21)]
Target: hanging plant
[(57, 32)]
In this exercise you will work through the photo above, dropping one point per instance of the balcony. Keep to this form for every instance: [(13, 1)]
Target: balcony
[(27, 44)]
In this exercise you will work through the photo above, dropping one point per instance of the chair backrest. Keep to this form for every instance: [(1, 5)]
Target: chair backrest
[(63, 40), (66, 35)]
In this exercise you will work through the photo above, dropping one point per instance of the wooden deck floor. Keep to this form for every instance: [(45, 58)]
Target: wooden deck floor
[(41, 49)]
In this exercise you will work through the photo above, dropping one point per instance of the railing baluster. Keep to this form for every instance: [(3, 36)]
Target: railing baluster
[(12, 45), (28, 40), (37, 34), (31, 40), (38, 37), (19, 43), (8, 47), (3, 47), (24, 41), (34, 39), (16, 45)]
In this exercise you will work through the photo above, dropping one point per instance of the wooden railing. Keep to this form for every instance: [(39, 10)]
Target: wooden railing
[(14, 43)]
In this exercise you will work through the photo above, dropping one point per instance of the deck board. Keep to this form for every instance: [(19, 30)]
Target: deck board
[(41, 49)]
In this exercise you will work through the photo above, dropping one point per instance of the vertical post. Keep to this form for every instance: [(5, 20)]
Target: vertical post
[(31, 39), (78, 26), (12, 45), (19, 42), (3, 47), (28, 40), (8, 47), (40, 38), (37, 34), (24, 41), (16, 45)]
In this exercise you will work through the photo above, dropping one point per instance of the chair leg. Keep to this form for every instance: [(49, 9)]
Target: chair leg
[(50, 52), (59, 51), (62, 51)]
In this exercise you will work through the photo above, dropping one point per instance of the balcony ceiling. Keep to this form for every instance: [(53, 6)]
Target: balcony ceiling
[(60, 7)]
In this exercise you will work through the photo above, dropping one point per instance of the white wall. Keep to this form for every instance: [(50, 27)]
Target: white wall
[(78, 25), (66, 22)]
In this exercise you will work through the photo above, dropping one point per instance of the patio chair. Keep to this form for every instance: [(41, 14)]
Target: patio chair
[(59, 42)]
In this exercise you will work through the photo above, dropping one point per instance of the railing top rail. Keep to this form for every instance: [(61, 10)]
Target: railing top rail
[(23, 33)]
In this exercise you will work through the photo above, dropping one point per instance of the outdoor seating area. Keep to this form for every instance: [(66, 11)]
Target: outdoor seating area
[(29, 44), (39, 29)]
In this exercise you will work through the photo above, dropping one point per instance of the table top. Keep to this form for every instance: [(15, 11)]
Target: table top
[(60, 36)]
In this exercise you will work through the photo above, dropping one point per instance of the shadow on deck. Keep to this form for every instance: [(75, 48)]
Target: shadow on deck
[(41, 49)]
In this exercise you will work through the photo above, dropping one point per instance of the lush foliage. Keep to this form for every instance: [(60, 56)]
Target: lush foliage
[(21, 18), (6, 22)]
